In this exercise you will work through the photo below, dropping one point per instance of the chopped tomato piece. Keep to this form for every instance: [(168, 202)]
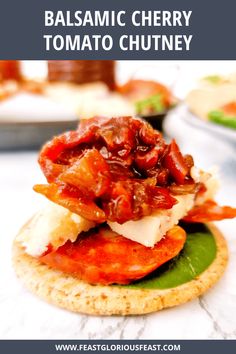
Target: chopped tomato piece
[(175, 163), (210, 211), (90, 172), (62, 196), (130, 199), (147, 160), (101, 256), (52, 150)]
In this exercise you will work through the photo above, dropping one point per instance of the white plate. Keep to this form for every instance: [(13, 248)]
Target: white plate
[(27, 121), (224, 132), (208, 146), (182, 114)]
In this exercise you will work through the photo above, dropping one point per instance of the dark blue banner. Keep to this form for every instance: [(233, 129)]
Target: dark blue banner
[(118, 346), (133, 29)]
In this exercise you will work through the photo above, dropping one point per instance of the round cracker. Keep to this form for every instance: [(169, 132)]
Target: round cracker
[(75, 295)]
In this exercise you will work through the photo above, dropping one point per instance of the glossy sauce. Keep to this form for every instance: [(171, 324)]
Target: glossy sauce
[(116, 169)]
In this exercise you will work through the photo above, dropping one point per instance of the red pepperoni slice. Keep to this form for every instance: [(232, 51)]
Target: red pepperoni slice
[(210, 211), (102, 256)]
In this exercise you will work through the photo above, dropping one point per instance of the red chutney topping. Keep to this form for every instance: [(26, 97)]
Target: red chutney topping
[(115, 169)]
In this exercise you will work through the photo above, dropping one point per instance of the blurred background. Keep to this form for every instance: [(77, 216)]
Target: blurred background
[(39, 99), (191, 101)]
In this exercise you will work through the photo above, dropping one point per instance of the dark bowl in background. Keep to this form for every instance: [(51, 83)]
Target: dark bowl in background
[(156, 120), (31, 135)]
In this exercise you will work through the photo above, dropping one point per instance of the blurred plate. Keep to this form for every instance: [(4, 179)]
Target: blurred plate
[(27, 121), (182, 114), (213, 128), (208, 147)]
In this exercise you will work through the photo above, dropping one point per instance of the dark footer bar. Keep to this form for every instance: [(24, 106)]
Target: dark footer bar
[(117, 346)]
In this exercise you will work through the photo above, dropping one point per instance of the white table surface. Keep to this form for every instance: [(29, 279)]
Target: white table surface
[(24, 316)]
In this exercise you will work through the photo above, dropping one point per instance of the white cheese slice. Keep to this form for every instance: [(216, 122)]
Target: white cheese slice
[(54, 225), (150, 229), (210, 180)]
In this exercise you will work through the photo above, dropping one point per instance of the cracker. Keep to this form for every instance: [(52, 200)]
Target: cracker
[(72, 294)]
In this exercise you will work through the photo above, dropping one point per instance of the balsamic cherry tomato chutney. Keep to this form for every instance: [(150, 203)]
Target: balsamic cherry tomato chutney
[(115, 169)]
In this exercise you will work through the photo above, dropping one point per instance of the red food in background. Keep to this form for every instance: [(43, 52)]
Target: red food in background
[(229, 109), (101, 256), (121, 167), (82, 71), (10, 70), (137, 90)]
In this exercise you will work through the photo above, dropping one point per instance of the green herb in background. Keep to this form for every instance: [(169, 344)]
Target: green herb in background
[(152, 104), (213, 79), (219, 117)]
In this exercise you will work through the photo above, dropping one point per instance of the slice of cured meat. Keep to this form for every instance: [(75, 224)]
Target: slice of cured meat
[(102, 256), (210, 211)]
